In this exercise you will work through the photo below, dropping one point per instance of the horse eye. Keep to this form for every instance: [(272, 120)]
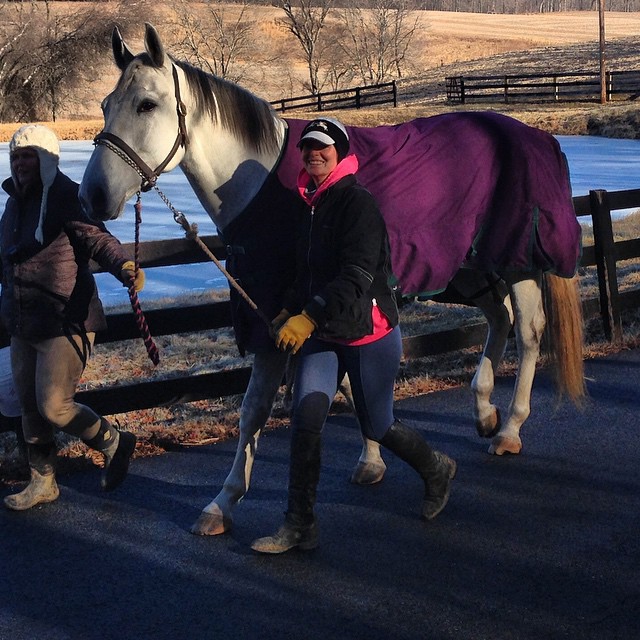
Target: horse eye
[(146, 106)]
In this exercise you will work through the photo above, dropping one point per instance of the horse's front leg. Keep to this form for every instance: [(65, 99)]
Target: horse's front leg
[(370, 467), (266, 377), (526, 295)]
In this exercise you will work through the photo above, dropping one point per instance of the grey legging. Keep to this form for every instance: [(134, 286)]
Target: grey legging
[(46, 374)]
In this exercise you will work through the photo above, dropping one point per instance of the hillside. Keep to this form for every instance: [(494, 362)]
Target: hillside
[(447, 43)]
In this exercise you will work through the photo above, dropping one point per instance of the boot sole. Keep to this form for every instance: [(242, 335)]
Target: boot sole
[(304, 546)]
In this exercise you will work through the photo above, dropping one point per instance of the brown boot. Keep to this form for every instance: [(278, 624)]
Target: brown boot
[(41, 489)]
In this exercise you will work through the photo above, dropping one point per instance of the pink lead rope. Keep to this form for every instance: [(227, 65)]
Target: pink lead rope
[(141, 321)]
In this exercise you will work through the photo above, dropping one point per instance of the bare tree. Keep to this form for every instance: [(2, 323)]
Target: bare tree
[(50, 53), (376, 40), (216, 39), (16, 19), (306, 22)]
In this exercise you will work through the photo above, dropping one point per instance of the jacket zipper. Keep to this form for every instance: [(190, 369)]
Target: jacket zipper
[(313, 210)]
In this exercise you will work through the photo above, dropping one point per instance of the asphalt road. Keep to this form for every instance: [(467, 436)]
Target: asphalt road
[(541, 545)]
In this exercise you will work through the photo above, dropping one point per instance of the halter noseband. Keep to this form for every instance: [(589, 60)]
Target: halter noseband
[(120, 147)]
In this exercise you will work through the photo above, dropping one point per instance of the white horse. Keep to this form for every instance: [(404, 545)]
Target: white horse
[(240, 159)]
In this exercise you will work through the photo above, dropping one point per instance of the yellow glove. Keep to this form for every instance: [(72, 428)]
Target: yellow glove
[(294, 332), (278, 321), (128, 273)]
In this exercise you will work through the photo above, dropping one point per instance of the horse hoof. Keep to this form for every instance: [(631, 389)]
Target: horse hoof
[(502, 444), (368, 473), (211, 524), (489, 428)]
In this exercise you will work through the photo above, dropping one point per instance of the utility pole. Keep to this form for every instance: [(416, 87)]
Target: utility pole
[(603, 70)]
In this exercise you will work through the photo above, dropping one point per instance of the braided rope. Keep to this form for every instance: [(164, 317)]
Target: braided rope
[(141, 321)]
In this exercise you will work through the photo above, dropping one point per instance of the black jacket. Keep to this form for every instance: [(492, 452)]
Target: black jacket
[(48, 289), (343, 263)]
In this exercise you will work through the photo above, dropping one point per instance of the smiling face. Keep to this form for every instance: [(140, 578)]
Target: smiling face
[(319, 160), (25, 166)]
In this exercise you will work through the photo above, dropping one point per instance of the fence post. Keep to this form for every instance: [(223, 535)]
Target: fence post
[(319, 102), (395, 94), (604, 249), (461, 90), (357, 97)]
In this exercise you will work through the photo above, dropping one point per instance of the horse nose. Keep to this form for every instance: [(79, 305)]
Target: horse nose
[(94, 203)]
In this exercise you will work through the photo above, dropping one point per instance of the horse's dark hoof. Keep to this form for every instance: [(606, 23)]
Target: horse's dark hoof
[(490, 428)]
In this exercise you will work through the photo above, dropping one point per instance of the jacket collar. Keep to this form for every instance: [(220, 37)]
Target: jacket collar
[(347, 166)]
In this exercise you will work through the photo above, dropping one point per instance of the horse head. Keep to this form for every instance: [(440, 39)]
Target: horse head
[(145, 129)]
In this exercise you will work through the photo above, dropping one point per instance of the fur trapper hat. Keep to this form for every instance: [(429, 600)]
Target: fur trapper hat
[(45, 143)]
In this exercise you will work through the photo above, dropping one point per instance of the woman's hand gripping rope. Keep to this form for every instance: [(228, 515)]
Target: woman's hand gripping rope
[(294, 332)]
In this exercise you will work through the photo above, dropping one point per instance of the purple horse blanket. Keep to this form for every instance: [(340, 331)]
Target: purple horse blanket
[(474, 189)]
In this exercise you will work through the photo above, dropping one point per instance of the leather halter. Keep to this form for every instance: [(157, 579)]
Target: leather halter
[(120, 147)]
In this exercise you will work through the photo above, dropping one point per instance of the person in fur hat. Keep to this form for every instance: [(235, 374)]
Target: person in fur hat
[(51, 310)]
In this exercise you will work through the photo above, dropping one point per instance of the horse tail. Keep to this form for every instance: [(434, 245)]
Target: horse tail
[(563, 308)]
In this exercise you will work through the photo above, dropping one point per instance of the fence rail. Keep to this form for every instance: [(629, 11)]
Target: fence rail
[(356, 97), (549, 87), (153, 393)]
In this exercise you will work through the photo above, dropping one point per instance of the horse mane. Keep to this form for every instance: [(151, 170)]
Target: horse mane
[(248, 117)]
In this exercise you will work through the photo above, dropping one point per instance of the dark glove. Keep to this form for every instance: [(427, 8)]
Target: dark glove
[(294, 332), (128, 273)]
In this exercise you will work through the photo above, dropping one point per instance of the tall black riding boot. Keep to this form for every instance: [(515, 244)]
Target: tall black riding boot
[(435, 468), (299, 528), (42, 487)]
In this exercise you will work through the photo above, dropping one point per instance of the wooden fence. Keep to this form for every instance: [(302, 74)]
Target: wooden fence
[(546, 87), (357, 97), (188, 388)]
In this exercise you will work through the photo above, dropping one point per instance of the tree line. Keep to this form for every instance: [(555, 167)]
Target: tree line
[(525, 6), (48, 53)]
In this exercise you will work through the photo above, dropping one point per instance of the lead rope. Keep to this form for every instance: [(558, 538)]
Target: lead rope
[(141, 321), (191, 232)]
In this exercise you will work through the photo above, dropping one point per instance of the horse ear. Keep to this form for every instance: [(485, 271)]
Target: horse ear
[(121, 53), (153, 45)]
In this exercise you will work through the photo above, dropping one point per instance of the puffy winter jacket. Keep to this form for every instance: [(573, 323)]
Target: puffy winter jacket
[(344, 263), (48, 289)]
